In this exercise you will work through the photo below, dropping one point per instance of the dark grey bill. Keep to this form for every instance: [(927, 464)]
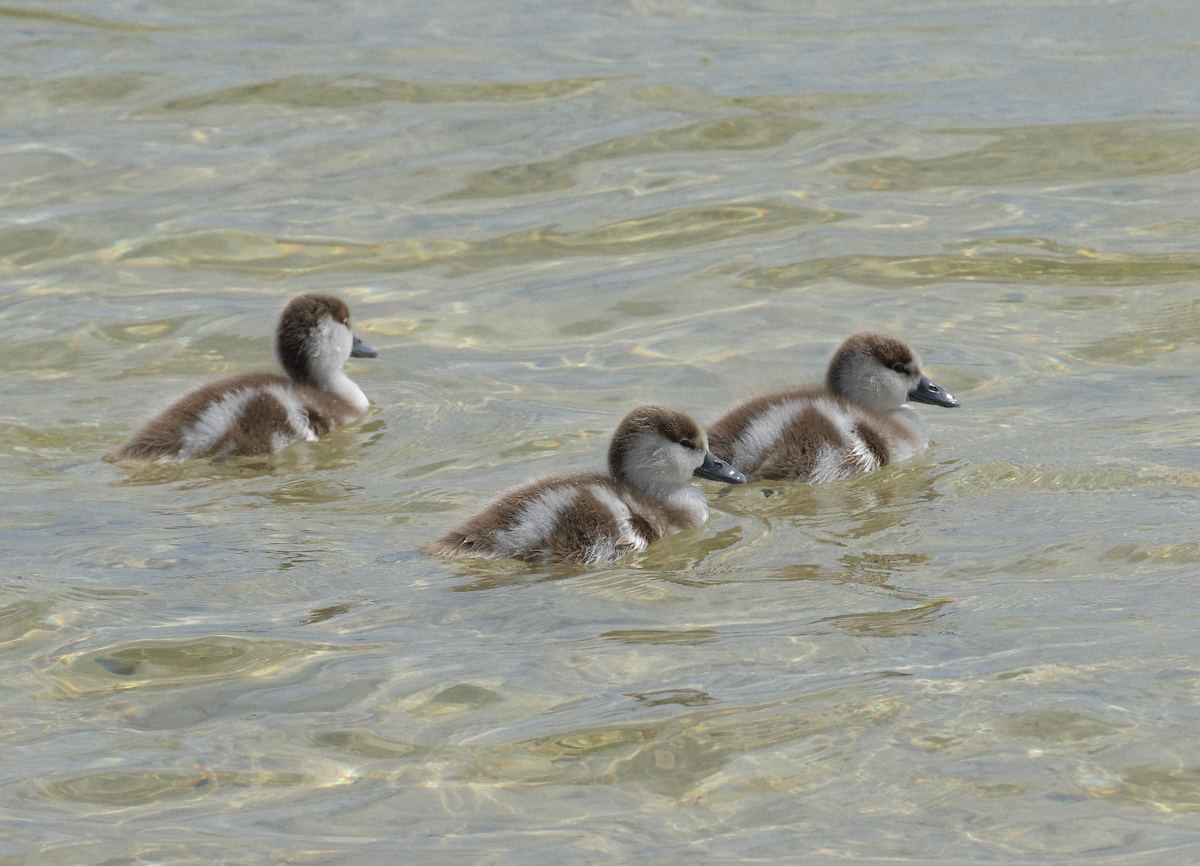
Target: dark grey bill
[(927, 392), (362, 350), (715, 469)]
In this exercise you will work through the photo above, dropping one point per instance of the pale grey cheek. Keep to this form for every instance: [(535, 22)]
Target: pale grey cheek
[(331, 346)]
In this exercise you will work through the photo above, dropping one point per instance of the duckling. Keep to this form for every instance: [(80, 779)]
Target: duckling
[(259, 413), (857, 423), (594, 518)]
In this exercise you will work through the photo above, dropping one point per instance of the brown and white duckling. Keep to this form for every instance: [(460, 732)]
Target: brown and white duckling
[(594, 518), (259, 413), (857, 423)]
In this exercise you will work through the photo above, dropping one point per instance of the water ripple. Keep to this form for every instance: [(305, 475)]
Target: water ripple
[(263, 256), (330, 91), (142, 664), (1055, 153)]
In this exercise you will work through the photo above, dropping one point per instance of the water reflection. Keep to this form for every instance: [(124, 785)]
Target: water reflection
[(324, 614), (732, 133), (1175, 324), (75, 19), (856, 509), (367, 745), (984, 262), (683, 697), (458, 698), (345, 91), (998, 474), (296, 466), (124, 789), (1185, 553), (244, 252), (141, 333), (21, 619), (26, 247), (1055, 153), (1175, 789), (675, 755), (158, 663), (790, 681), (1059, 725), (667, 637), (891, 623)]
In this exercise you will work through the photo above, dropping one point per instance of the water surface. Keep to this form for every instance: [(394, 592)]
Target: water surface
[(540, 217)]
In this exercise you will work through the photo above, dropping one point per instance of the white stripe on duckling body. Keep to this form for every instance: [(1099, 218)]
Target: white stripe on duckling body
[(593, 518), (260, 413), (857, 423)]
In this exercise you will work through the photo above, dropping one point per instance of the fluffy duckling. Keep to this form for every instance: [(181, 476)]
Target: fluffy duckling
[(259, 413), (594, 518), (857, 423)]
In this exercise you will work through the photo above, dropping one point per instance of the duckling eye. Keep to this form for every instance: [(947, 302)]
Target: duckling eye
[(899, 368), (686, 443)]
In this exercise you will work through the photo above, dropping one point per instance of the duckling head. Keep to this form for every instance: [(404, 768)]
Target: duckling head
[(656, 449), (314, 341), (882, 372)]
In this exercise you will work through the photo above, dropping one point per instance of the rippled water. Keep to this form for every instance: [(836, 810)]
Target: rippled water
[(542, 215)]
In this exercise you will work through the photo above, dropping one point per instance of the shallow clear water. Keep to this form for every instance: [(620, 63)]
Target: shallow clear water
[(542, 215)]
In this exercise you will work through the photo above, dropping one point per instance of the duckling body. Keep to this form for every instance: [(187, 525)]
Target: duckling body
[(857, 423), (595, 518), (259, 413)]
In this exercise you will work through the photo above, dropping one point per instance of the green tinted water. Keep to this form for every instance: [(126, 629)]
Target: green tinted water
[(540, 217)]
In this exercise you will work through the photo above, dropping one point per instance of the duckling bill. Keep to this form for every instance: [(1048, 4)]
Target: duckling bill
[(259, 413), (857, 423), (595, 518)]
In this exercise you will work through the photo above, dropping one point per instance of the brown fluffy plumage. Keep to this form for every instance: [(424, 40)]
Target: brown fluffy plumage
[(857, 423), (593, 518), (259, 413)]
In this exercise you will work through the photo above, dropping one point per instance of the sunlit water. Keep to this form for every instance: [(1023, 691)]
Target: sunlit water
[(541, 215)]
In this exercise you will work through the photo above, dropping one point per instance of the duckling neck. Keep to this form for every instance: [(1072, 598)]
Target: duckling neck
[(337, 382), (685, 497), (691, 499), (911, 418)]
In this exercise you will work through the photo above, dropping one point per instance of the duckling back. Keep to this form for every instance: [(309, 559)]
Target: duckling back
[(813, 437), (582, 519), (858, 423), (259, 413), (249, 415), (590, 519)]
